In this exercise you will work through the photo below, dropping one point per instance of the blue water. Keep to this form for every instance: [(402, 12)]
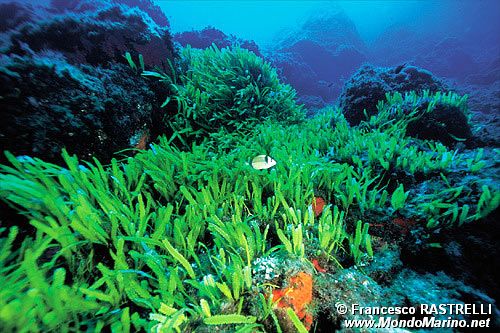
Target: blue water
[(262, 20)]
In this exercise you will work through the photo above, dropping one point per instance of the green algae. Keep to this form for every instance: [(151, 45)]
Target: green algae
[(176, 231)]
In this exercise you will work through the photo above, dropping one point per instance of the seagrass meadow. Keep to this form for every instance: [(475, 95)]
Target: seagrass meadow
[(185, 235)]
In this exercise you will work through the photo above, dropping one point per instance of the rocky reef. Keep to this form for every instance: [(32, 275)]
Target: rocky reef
[(204, 38), (370, 84), (317, 57), (65, 80)]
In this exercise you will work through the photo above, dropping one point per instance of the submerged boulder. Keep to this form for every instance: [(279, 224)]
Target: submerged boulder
[(13, 14), (448, 58), (202, 39), (370, 84), (445, 122), (91, 111), (97, 38), (65, 81), (318, 56), (80, 6), (440, 115)]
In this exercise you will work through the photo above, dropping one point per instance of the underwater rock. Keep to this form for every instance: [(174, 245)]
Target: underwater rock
[(443, 56), (65, 81), (13, 14), (486, 125), (370, 84), (96, 37), (311, 103), (92, 111), (331, 29), (150, 8), (327, 69), (385, 265), (298, 73), (465, 46), (448, 58), (483, 89), (489, 75), (407, 288), (446, 123), (202, 39), (411, 288), (348, 286), (469, 253), (440, 115), (316, 58), (80, 6), (398, 44)]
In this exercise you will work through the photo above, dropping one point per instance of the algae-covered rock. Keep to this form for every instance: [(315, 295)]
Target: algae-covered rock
[(230, 89), (406, 90), (370, 84), (414, 289), (352, 295), (96, 37), (439, 117), (65, 82), (347, 287), (385, 265), (202, 39), (91, 111), (446, 123)]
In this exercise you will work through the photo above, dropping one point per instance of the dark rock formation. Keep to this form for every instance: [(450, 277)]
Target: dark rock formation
[(489, 75), (312, 104), (452, 57), (148, 7), (483, 89), (13, 14), (407, 288), (96, 38), (330, 29), (304, 78), (445, 123), (65, 83), (201, 39), (80, 6), (370, 84), (469, 253), (92, 111)]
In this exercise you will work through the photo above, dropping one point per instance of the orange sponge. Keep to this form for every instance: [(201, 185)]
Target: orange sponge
[(298, 295)]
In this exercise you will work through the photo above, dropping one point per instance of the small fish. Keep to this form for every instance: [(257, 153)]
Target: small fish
[(399, 68), (318, 266), (262, 162), (328, 84), (141, 140)]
